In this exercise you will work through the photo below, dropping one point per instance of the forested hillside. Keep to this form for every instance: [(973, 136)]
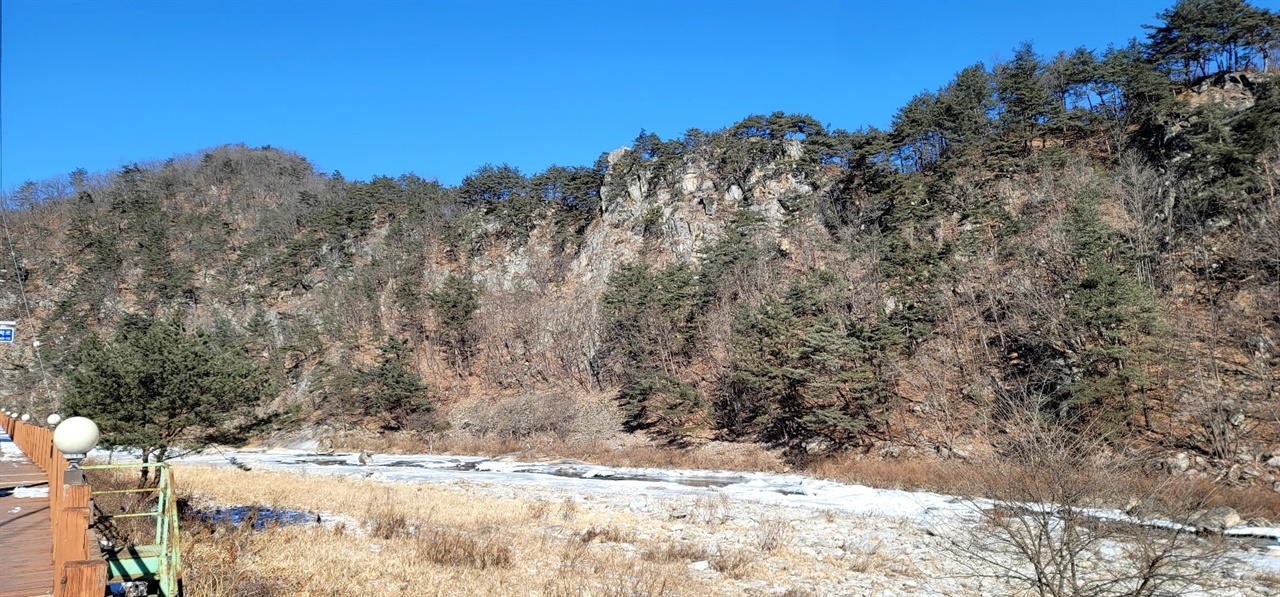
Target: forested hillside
[(1092, 237)]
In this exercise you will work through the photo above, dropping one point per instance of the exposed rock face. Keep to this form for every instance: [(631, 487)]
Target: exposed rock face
[(817, 445), (617, 154), (1232, 90), (1219, 518), (673, 220)]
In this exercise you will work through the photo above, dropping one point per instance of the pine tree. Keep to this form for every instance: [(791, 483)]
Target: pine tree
[(652, 321), (800, 368), (1027, 105), (455, 305), (1111, 323), (156, 386), (393, 388)]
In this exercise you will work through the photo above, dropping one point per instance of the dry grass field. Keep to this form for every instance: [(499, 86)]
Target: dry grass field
[(439, 540)]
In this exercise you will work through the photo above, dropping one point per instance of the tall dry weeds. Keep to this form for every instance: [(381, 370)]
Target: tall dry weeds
[(425, 540)]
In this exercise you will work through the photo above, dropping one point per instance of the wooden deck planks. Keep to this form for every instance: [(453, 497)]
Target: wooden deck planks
[(26, 536)]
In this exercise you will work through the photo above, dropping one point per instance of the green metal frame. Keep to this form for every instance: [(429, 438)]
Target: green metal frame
[(161, 562)]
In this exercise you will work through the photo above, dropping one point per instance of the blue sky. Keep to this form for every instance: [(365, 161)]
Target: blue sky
[(439, 88)]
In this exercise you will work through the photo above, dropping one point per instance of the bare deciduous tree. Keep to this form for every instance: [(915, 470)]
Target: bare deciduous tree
[(1147, 200), (1052, 526)]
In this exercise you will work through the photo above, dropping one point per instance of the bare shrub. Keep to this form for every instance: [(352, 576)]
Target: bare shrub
[(568, 509), (453, 547), (643, 580), (538, 509), (1045, 531), (866, 559), (794, 592), (1148, 202), (519, 417), (710, 510), (384, 520), (527, 338), (677, 552), (731, 563), (605, 535), (773, 535), (1219, 425)]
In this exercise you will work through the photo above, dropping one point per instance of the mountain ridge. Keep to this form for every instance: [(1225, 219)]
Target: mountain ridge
[(1098, 250)]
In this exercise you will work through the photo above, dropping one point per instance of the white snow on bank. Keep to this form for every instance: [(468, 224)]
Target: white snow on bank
[(925, 508)]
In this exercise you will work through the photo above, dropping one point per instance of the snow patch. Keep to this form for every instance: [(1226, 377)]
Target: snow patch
[(31, 492), (9, 450)]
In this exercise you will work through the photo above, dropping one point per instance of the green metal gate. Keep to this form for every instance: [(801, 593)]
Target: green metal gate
[(161, 562)]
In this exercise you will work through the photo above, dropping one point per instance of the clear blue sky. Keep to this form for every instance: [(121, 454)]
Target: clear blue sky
[(439, 88)]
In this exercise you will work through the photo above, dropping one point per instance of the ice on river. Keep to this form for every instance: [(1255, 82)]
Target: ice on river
[(794, 490), (925, 508)]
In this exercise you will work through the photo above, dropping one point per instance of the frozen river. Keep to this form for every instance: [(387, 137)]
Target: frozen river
[(1260, 545)]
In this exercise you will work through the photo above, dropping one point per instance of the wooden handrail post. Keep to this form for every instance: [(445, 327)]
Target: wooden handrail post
[(82, 579), (75, 574), (70, 524)]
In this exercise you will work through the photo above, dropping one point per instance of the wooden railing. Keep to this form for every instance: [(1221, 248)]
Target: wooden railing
[(78, 566)]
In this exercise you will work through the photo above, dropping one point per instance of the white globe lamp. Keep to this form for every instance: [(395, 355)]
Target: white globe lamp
[(54, 419), (75, 437), (25, 417)]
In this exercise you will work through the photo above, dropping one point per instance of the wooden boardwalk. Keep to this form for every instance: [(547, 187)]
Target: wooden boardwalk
[(26, 536)]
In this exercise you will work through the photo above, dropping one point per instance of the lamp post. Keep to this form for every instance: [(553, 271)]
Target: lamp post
[(75, 437)]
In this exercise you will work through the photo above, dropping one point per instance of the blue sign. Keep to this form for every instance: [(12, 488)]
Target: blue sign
[(6, 334)]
